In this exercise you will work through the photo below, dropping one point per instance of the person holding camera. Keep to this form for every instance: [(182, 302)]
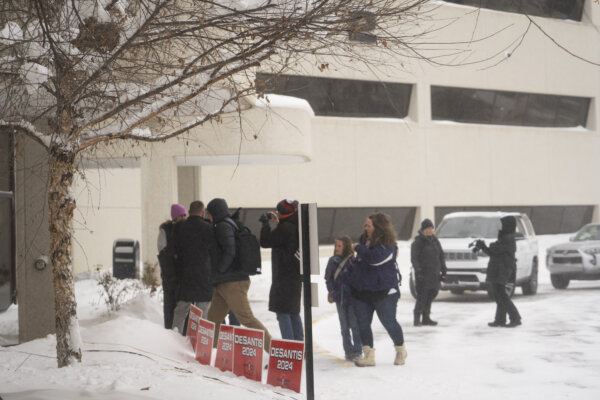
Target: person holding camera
[(429, 266), (286, 284), (375, 286), (501, 271)]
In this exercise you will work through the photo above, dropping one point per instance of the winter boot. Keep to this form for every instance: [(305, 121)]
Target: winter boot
[(400, 355), (417, 319), (368, 359), (428, 321)]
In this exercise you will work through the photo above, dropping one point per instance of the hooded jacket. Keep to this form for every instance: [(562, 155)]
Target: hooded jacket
[(223, 269), (502, 267)]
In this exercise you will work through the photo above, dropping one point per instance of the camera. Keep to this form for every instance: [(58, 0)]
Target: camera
[(477, 245), (264, 218)]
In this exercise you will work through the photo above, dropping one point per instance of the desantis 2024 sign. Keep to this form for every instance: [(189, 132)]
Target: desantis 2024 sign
[(285, 364), (248, 347)]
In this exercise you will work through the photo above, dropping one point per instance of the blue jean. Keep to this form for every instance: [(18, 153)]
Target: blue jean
[(290, 326), (349, 327), (386, 312)]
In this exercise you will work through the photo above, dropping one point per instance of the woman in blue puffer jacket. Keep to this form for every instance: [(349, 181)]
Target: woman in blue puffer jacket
[(375, 286)]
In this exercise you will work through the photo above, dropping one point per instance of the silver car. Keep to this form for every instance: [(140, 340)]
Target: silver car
[(579, 259)]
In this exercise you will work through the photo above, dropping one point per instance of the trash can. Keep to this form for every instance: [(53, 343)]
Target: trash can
[(126, 258)]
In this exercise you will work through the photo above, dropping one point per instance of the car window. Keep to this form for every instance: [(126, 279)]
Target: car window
[(469, 227), (590, 232), (520, 231)]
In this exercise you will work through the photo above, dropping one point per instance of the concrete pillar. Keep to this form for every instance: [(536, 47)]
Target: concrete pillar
[(35, 290), (159, 191), (188, 179)]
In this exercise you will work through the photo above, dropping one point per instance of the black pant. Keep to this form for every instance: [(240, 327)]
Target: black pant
[(504, 304), (169, 303), (425, 297)]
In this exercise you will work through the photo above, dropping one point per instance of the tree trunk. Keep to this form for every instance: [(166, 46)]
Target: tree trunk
[(62, 205)]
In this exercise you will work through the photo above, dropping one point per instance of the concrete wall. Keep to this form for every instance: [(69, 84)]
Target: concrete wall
[(109, 207)]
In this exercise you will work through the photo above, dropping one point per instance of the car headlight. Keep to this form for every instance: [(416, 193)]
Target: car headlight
[(592, 251)]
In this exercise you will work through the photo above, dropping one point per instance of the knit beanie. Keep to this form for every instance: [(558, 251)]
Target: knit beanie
[(285, 208), (177, 210), (426, 224)]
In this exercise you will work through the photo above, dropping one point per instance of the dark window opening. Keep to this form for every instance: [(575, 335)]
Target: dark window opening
[(508, 108), (341, 97), (546, 220), (334, 222), (559, 9)]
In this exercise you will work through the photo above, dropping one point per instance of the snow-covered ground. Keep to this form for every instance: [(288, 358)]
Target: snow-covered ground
[(555, 354)]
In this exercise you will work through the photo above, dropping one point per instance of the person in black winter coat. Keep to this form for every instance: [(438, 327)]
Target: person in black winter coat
[(286, 286), (501, 270), (195, 248), (427, 257), (230, 283), (166, 260)]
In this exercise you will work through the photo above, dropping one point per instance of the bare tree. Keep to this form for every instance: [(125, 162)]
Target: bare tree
[(78, 73)]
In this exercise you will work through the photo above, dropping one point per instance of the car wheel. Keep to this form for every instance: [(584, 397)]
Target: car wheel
[(530, 287), (559, 281), (457, 291), (411, 284)]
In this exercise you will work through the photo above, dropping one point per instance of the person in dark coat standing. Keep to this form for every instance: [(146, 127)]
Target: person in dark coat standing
[(196, 248), (427, 257), (166, 260), (501, 270), (230, 283), (286, 284)]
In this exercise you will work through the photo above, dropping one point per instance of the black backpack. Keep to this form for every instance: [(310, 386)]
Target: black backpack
[(247, 249)]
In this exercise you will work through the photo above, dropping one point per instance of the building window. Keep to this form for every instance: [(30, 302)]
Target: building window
[(496, 107), (560, 9), (334, 222), (546, 220), (341, 97)]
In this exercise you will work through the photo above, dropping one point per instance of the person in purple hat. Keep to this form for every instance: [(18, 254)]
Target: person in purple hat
[(166, 260)]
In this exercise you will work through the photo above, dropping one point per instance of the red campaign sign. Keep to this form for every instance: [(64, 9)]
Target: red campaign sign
[(285, 364), (204, 341), (248, 347), (224, 360), (192, 327)]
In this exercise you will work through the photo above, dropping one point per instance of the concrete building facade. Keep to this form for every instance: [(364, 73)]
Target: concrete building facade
[(509, 122)]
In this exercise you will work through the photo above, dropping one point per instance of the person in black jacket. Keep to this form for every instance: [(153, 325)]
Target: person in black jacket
[(166, 259), (501, 270), (286, 284), (231, 285), (196, 248), (427, 257)]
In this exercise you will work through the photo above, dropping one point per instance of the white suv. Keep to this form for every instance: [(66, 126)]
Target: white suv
[(467, 270)]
